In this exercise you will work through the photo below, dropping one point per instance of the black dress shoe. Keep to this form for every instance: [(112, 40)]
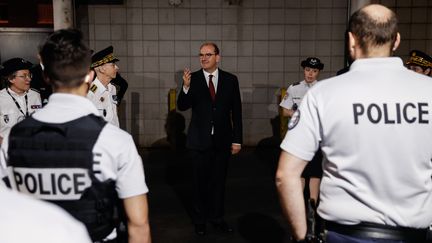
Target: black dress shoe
[(200, 229), (222, 226)]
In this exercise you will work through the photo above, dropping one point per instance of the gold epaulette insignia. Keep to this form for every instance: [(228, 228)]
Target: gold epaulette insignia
[(93, 88)]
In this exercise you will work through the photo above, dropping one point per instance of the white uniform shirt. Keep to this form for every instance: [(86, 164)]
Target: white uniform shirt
[(115, 154), (10, 114), (25, 219), (295, 94), (105, 100), (374, 124)]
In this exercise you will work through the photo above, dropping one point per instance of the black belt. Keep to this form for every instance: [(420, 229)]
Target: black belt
[(377, 231)]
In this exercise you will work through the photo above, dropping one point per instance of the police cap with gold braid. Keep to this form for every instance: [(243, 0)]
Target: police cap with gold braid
[(12, 65), (104, 56), (419, 58)]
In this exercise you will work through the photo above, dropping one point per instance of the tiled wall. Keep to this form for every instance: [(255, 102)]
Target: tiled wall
[(261, 41)]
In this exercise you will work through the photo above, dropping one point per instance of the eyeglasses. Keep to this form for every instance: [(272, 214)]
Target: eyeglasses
[(206, 55), (26, 76)]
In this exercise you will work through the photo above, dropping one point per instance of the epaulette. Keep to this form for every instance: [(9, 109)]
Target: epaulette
[(93, 88), (35, 90), (296, 83)]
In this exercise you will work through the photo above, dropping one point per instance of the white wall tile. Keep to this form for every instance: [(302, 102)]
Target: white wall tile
[(118, 32), (166, 16), (228, 48), (150, 32), (182, 16), (102, 32), (214, 32), (166, 48), (260, 16), (101, 15), (151, 64), (134, 32), (213, 16), (198, 32), (134, 16), (118, 16), (261, 48), (229, 16), (276, 32), (135, 48), (150, 16), (182, 32), (150, 48), (229, 32), (182, 48), (166, 64), (260, 32), (166, 32)]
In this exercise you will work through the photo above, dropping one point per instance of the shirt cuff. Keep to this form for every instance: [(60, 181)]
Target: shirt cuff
[(185, 90)]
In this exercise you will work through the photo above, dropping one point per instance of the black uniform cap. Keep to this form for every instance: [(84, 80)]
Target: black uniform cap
[(312, 62), (419, 58), (12, 65), (104, 56)]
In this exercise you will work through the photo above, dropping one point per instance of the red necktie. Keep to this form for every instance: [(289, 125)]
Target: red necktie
[(212, 88)]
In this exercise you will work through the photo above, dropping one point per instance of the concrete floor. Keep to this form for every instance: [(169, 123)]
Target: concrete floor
[(252, 206)]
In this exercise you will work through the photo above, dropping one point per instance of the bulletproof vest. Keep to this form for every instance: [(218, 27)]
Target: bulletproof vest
[(54, 162)]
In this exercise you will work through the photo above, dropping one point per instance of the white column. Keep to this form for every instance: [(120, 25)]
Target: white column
[(63, 13)]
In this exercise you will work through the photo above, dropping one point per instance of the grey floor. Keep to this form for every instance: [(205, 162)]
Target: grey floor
[(252, 206)]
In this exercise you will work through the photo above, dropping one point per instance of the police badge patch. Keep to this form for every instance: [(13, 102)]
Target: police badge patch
[(294, 120)]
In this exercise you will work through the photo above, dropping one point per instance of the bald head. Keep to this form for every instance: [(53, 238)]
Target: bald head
[(374, 27)]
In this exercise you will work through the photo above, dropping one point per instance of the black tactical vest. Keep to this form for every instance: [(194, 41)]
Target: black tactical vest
[(54, 162)]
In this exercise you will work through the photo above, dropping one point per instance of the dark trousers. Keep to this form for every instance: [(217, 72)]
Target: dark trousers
[(333, 237), (209, 175)]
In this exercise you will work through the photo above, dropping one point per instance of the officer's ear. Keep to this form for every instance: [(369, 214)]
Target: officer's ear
[(428, 71), (89, 77), (397, 42)]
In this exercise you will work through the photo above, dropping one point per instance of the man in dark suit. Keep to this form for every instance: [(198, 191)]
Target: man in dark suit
[(215, 132)]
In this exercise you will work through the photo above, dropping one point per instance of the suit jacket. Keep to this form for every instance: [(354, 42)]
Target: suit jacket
[(225, 114)]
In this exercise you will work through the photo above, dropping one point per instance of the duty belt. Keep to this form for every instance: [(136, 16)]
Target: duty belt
[(377, 231)]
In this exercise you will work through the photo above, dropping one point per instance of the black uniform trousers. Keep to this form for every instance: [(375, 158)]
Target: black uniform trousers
[(209, 176)]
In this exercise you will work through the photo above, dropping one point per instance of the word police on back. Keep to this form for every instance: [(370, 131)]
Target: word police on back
[(52, 183), (391, 113)]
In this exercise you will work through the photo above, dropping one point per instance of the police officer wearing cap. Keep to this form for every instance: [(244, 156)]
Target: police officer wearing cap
[(373, 124), (102, 93), (290, 103), (420, 62), (17, 100), (67, 154)]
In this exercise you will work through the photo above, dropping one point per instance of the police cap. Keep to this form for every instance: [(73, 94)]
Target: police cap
[(104, 56), (312, 62), (12, 65), (419, 58)]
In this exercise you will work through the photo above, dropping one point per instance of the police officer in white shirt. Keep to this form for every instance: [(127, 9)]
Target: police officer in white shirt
[(102, 93), (373, 124), (25, 219), (17, 100), (312, 66), (311, 69), (67, 154)]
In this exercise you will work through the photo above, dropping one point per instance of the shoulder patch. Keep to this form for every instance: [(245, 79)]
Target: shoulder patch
[(93, 88), (294, 120)]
